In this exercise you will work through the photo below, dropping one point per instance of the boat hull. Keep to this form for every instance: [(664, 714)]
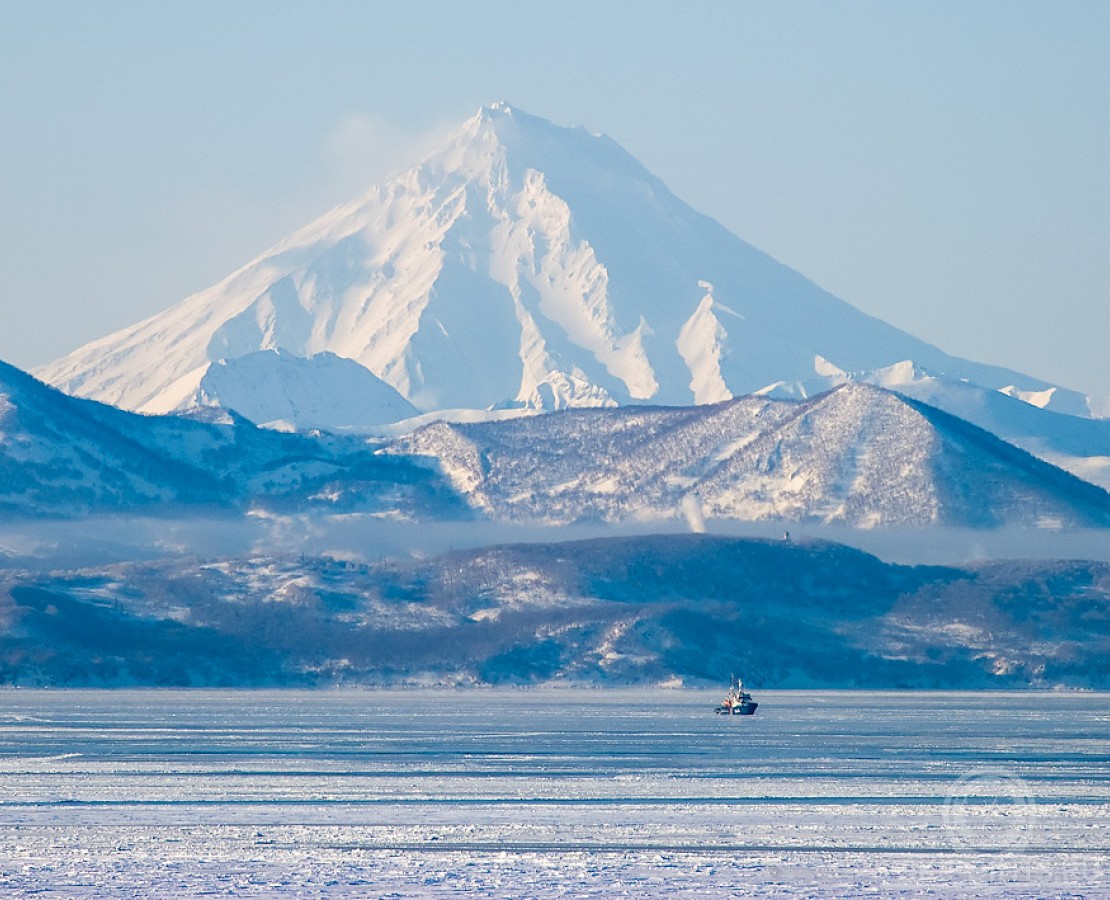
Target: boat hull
[(740, 709)]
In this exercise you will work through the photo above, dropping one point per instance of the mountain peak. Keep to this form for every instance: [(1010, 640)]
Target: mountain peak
[(324, 391), (497, 122), (495, 109), (520, 254), (535, 142)]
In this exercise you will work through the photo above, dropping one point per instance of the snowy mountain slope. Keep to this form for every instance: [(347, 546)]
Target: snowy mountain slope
[(1074, 443), (857, 455), (59, 455), (326, 392), (522, 263), (65, 456), (644, 610)]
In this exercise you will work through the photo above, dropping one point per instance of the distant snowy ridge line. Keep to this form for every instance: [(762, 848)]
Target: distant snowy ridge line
[(331, 394), (1077, 444), (857, 455), (519, 265)]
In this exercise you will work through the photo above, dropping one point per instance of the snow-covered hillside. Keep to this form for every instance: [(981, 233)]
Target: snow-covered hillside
[(65, 456), (858, 455), (1041, 424), (60, 455), (325, 392), (521, 264)]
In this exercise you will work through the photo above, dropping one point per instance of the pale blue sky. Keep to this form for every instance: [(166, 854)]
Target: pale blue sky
[(942, 165)]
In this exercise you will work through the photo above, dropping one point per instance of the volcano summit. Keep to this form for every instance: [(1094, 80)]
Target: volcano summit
[(522, 265)]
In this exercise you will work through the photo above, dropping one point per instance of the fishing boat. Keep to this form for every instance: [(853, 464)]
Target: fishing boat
[(737, 702)]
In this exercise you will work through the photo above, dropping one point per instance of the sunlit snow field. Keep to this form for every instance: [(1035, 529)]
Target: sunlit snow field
[(549, 793)]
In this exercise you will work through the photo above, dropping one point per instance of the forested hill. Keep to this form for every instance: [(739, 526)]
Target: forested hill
[(687, 609)]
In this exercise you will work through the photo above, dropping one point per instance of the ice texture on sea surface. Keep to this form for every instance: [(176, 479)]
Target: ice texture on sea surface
[(553, 793)]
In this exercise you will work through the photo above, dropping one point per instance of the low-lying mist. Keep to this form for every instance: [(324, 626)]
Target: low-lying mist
[(45, 545)]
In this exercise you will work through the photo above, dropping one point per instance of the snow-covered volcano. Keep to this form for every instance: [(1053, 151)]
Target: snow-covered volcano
[(522, 264)]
